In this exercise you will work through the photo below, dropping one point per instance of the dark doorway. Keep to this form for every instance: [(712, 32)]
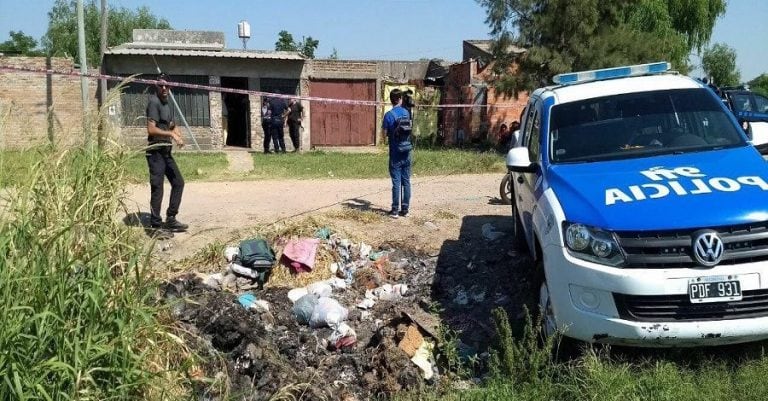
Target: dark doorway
[(236, 112)]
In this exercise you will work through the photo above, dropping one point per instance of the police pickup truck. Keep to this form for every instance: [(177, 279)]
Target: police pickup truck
[(751, 108), (645, 208)]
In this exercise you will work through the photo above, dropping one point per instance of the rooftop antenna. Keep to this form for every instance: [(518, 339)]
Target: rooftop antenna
[(244, 31)]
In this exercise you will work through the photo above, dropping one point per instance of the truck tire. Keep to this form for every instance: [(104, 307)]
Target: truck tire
[(505, 189)]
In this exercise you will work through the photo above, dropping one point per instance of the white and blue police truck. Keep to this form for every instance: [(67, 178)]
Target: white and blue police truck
[(645, 208)]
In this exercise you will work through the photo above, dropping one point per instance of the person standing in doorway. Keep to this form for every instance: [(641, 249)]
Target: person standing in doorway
[(266, 123), (295, 115), (161, 133), (279, 110), (397, 125)]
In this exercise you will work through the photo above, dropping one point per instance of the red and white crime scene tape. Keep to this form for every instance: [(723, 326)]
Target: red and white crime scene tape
[(75, 73)]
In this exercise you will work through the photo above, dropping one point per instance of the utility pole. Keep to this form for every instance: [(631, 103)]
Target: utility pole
[(83, 67), (103, 82)]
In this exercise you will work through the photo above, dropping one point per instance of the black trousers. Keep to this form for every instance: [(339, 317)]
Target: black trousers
[(267, 128), (293, 132), (161, 164), (278, 137)]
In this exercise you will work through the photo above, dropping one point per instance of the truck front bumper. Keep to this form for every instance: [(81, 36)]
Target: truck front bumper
[(587, 301)]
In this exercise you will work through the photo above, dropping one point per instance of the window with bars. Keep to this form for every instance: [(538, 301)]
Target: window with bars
[(194, 103)]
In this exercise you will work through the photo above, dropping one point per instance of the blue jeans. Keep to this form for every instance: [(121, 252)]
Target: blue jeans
[(400, 171)]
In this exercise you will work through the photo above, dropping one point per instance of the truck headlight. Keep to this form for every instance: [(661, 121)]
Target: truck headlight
[(592, 244)]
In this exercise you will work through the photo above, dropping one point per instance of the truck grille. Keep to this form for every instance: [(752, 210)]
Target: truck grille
[(672, 249), (678, 308)]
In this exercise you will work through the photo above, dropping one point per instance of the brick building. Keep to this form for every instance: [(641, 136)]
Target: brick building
[(218, 120), (233, 120), (470, 82), (36, 108)]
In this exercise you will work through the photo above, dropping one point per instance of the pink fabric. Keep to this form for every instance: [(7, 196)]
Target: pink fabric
[(299, 255)]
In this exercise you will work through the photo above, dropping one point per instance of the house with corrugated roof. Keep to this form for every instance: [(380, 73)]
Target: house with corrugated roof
[(221, 120)]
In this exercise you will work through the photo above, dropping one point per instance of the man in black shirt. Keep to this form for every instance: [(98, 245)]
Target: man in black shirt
[(161, 132), (295, 114)]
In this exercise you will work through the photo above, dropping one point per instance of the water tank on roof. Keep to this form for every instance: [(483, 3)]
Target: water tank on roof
[(244, 29)]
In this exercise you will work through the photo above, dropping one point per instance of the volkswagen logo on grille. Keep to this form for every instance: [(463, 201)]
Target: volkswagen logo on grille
[(707, 248)]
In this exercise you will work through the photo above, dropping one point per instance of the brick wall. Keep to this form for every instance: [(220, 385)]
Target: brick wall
[(341, 69), (23, 114)]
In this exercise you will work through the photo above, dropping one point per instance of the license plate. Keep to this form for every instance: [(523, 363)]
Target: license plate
[(714, 289)]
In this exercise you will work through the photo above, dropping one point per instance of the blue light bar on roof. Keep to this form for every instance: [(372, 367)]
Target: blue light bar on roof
[(610, 73)]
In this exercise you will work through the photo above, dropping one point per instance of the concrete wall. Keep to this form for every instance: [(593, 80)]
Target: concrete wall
[(23, 99)]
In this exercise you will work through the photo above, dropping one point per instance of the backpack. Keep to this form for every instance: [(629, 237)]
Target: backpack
[(403, 134), (256, 254)]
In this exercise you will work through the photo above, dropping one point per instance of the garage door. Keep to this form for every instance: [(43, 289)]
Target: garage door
[(343, 124)]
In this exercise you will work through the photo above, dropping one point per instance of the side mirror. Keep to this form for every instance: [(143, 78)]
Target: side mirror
[(518, 160)]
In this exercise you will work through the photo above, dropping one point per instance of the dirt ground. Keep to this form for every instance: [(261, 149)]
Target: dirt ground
[(225, 210), (453, 252)]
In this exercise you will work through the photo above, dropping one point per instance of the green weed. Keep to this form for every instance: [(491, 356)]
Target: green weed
[(76, 294), (332, 165)]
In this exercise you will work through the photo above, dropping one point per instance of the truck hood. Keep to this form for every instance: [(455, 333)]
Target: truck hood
[(694, 190)]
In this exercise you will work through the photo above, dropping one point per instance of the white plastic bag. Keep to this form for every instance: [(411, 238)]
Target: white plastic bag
[(230, 252), (243, 271), (296, 293), (320, 288), (328, 312)]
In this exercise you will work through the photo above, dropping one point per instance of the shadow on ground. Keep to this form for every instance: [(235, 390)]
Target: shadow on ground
[(362, 205), (141, 219), (476, 274)]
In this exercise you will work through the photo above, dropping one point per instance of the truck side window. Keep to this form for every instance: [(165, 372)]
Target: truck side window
[(762, 104), (530, 111), (534, 145)]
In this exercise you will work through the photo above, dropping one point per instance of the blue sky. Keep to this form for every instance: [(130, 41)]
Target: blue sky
[(418, 28)]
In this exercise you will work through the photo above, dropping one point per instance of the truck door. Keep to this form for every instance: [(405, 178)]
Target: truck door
[(525, 183)]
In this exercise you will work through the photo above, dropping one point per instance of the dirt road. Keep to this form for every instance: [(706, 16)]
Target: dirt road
[(221, 210)]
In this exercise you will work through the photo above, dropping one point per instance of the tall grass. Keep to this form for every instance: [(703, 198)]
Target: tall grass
[(77, 319), (523, 367)]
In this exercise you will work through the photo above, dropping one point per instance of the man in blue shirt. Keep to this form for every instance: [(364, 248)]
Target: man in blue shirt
[(397, 125)]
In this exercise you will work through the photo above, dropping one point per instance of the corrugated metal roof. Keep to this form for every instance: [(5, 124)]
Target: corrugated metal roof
[(485, 45), (226, 53)]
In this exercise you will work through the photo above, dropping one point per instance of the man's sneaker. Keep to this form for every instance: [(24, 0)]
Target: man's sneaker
[(176, 226), (403, 213), (393, 214)]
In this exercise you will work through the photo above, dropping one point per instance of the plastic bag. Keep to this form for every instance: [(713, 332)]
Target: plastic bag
[(328, 312), (320, 288), (304, 308)]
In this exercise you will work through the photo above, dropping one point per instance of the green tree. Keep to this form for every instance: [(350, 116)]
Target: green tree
[(22, 44), (334, 54), (61, 38), (719, 63), (572, 35), (285, 42), (306, 47), (760, 84)]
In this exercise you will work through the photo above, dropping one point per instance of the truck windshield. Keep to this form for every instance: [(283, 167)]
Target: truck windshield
[(640, 124)]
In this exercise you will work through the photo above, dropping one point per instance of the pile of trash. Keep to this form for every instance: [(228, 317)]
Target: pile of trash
[(364, 332)]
